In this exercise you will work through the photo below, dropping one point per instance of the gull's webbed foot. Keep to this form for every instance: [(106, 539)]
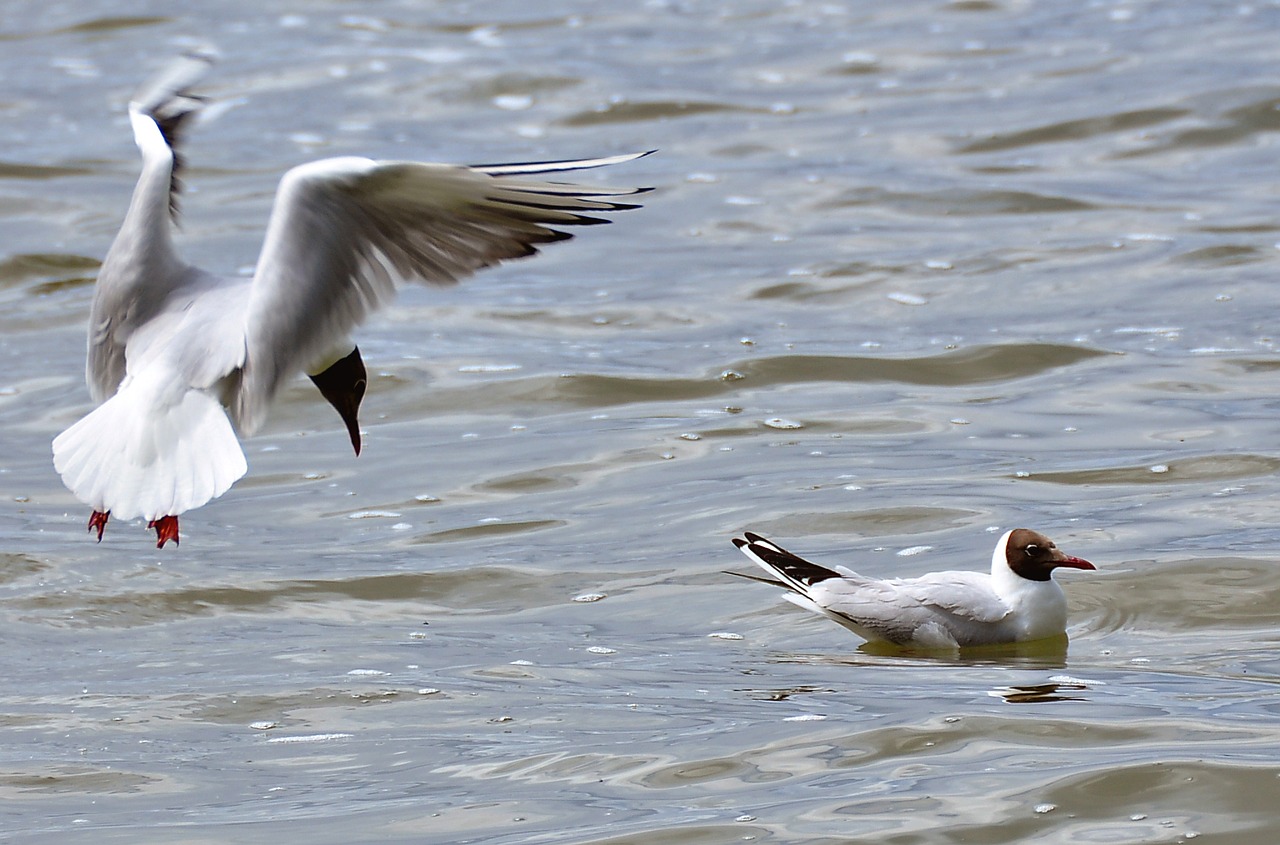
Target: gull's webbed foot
[(166, 529), (98, 522)]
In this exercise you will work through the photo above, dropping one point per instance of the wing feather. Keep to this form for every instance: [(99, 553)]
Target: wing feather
[(965, 594), (872, 608), (167, 99), (345, 232), (942, 606)]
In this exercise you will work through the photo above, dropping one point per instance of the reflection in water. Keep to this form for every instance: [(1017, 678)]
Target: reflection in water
[(784, 694), (1050, 653), (1039, 693)]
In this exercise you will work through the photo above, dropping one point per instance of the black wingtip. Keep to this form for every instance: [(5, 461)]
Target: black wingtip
[(770, 581), (166, 97), (797, 572)]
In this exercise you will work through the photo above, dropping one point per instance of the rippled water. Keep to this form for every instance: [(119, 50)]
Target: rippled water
[(913, 273)]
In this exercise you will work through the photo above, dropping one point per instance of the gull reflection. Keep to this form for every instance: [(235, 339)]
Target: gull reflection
[(1038, 693)]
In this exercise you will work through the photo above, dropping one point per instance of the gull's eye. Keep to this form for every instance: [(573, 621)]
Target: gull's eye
[(1032, 551)]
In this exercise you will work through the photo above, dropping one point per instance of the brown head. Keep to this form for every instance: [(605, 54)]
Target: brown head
[(1033, 556)]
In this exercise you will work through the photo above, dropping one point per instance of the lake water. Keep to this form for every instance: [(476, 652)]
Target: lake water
[(913, 273)]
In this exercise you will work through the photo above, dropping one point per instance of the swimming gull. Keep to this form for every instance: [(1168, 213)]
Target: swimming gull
[(1018, 601)]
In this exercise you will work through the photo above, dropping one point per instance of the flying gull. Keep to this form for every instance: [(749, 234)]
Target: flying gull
[(184, 362)]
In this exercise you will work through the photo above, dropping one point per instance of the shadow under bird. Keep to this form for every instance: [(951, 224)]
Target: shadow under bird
[(182, 360), (1017, 602)]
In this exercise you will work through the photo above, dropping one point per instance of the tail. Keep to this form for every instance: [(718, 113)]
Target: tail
[(136, 457), (794, 572)]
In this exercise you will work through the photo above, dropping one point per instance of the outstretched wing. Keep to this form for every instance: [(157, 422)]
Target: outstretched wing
[(167, 99), (345, 232), (141, 268)]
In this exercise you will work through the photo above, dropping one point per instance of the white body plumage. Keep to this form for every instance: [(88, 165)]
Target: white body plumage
[(1017, 601)]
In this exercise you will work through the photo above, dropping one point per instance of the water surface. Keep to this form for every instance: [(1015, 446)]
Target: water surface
[(913, 274)]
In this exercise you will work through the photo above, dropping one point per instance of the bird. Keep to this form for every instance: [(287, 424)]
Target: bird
[(184, 362), (1017, 602)]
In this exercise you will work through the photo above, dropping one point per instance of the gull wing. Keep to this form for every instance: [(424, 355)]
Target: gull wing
[(167, 99), (961, 604), (967, 595), (871, 608), (345, 232), (141, 268)]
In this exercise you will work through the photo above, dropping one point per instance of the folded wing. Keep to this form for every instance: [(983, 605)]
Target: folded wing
[(938, 608), (967, 595)]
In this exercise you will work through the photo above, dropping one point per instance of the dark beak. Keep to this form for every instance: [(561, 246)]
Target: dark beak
[(342, 385), (1072, 562)]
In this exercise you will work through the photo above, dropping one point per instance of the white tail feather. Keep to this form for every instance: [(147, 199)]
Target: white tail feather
[(137, 457), (807, 603)]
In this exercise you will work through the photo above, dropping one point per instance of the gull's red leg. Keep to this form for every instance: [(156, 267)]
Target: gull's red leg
[(166, 529), (98, 521)]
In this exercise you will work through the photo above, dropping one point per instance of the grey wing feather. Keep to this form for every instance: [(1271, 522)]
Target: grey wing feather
[(872, 608), (895, 610), (964, 594), (345, 232)]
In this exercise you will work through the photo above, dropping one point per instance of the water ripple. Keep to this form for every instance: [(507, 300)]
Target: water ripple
[(1072, 130)]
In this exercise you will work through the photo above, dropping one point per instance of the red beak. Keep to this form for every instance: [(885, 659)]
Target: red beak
[(1074, 563)]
